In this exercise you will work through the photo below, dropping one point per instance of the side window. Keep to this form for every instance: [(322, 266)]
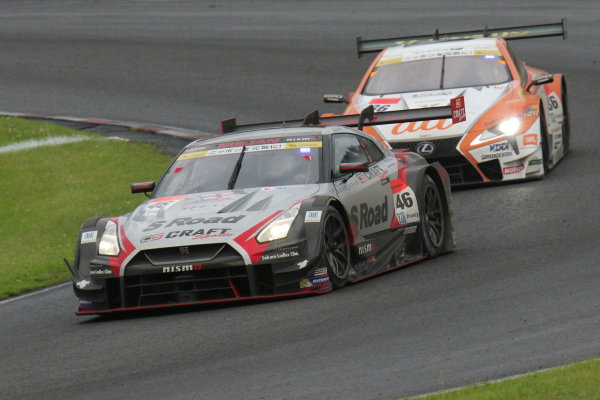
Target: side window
[(519, 65), (374, 153), (347, 149)]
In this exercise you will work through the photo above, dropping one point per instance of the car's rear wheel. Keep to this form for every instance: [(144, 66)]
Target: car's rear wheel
[(544, 142), (566, 128), (336, 248), (433, 218)]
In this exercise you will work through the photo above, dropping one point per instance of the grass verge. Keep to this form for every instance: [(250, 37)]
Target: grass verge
[(47, 192), (578, 381)]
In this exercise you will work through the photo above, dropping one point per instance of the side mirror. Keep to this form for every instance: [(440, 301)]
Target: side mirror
[(142, 187), (347, 168), (334, 98), (541, 80)]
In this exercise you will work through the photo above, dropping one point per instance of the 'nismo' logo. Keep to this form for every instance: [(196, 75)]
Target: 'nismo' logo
[(181, 268)]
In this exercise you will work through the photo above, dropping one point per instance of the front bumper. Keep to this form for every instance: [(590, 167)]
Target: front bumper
[(462, 172), (183, 282)]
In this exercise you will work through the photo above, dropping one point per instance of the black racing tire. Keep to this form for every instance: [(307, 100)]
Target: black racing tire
[(335, 248), (566, 127), (433, 218), (544, 142)]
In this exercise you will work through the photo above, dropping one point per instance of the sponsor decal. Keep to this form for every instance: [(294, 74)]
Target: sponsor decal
[(375, 172), (384, 101), (194, 234), (321, 271), (431, 94), (184, 251), (457, 105), (366, 248), (89, 237), (314, 281), (158, 205), (513, 170), (320, 280), (530, 111), (535, 162), (302, 264), (85, 305), (193, 221), (425, 148), (313, 216), (254, 142), (305, 283), (365, 216), (100, 270), (415, 126), (217, 196), (500, 146), (401, 217), (419, 54), (82, 284), (251, 146), (181, 268), (152, 238), (496, 155), (265, 147), (211, 236), (281, 254), (530, 140), (96, 269)]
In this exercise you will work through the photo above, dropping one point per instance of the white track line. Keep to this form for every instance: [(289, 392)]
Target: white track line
[(47, 289), (50, 141)]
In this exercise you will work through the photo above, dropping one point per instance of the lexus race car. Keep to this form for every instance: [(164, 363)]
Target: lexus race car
[(517, 123), (266, 213)]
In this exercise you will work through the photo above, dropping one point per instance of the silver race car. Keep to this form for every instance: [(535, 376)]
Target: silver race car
[(268, 212)]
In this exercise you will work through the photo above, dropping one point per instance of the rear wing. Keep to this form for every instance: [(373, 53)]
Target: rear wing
[(508, 33), (368, 117)]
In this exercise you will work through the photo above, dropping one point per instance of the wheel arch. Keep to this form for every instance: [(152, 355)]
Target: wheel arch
[(442, 181), (335, 203)]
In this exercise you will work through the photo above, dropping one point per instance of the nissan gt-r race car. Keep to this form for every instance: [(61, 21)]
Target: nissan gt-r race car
[(266, 213), (516, 125)]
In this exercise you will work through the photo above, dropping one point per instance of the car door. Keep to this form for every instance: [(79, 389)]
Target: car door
[(365, 195)]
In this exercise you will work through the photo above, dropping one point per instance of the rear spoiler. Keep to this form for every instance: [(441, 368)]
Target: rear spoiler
[(508, 33), (368, 117)]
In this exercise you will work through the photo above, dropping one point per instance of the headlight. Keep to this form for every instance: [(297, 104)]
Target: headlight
[(279, 228), (508, 127), (109, 243)]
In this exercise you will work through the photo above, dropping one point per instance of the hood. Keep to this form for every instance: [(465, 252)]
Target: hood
[(477, 101), (211, 217)]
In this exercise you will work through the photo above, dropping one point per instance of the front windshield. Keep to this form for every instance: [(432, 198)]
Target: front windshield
[(264, 162), (399, 76)]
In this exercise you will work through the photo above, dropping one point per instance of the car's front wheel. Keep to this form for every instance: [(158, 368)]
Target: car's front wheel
[(336, 248), (433, 218)]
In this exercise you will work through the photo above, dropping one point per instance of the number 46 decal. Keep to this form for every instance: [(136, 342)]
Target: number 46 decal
[(404, 200)]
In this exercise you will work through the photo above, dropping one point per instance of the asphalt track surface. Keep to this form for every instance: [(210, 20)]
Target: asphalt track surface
[(520, 293)]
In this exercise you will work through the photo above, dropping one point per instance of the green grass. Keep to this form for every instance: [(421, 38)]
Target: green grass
[(579, 381), (14, 130), (47, 192)]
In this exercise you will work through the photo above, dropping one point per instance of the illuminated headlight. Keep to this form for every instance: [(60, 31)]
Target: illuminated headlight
[(508, 127), (109, 243), (279, 228)]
